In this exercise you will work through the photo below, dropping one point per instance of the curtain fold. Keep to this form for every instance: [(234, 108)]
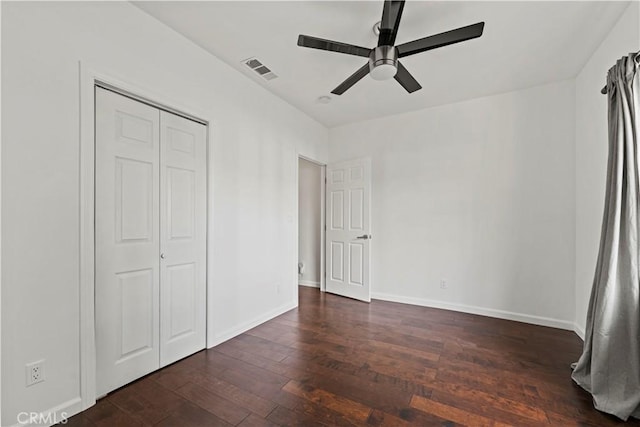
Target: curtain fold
[(609, 367)]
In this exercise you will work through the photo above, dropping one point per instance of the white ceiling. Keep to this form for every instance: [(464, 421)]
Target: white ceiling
[(524, 44)]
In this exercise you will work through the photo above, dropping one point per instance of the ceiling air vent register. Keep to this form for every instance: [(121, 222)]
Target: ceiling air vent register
[(260, 68)]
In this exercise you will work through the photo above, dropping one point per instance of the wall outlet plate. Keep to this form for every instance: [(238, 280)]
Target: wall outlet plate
[(35, 372)]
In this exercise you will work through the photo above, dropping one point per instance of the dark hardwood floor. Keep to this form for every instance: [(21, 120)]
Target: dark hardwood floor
[(335, 362)]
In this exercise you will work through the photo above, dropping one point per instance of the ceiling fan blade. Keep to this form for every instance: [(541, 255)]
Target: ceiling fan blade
[(440, 40), (317, 43), (406, 79), (351, 80), (391, 14)]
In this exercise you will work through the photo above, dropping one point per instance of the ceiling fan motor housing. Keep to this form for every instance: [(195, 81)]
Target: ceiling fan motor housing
[(383, 62)]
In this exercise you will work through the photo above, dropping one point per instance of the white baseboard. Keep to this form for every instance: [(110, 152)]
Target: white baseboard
[(245, 326), (489, 312), (57, 414), (579, 331), (309, 283)]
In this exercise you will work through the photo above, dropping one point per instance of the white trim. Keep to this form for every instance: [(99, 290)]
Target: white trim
[(150, 102), (309, 283), (323, 227), (0, 227), (296, 228), (310, 159), (489, 312), (87, 235), (89, 75), (210, 204), (579, 331), (245, 326), (69, 408)]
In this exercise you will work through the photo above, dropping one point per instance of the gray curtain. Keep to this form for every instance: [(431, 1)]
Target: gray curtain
[(609, 367)]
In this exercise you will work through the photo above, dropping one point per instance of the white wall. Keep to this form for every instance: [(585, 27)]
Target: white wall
[(479, 193), (256, 139), (591, 150), (309, 218)]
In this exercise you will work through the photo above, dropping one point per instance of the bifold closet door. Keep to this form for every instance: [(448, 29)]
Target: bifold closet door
[(183, 232), (150, 239), (127, 240)]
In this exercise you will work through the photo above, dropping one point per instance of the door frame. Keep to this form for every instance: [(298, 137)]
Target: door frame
[(90, 76), (323, 184)]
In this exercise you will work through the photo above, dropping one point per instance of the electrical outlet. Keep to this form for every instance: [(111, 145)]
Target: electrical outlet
[(35, 372), (443, 284)]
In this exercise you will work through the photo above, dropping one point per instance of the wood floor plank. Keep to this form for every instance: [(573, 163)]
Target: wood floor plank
[(145, 401), (476, 398), (380, 419), (256, 421), (349, 408), (106, 414), (211, 402), (238, 396), (191, 415), (248, 382), (452, 413), (325, 415), (285, 417)]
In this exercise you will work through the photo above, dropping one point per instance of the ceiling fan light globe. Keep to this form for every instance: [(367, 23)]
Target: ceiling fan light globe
[(383, 72)]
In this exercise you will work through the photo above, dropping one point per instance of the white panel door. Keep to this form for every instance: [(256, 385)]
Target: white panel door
[(127, 240), (183, 230), (348, 236)]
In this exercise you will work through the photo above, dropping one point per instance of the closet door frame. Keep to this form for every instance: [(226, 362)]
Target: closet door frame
[(90, 77)]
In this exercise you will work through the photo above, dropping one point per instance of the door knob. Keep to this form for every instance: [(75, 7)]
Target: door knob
[(364, 237), (162, 256)]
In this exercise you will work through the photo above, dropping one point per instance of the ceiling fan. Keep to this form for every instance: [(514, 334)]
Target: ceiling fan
[(383, 59)]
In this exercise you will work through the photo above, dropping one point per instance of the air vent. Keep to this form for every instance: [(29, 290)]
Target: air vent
[(261, 69)]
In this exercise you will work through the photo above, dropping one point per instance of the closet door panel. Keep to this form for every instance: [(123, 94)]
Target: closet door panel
[(183, 174), (127, 276)]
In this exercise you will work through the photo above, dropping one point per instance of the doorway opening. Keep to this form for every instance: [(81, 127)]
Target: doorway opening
[(311, 223)]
